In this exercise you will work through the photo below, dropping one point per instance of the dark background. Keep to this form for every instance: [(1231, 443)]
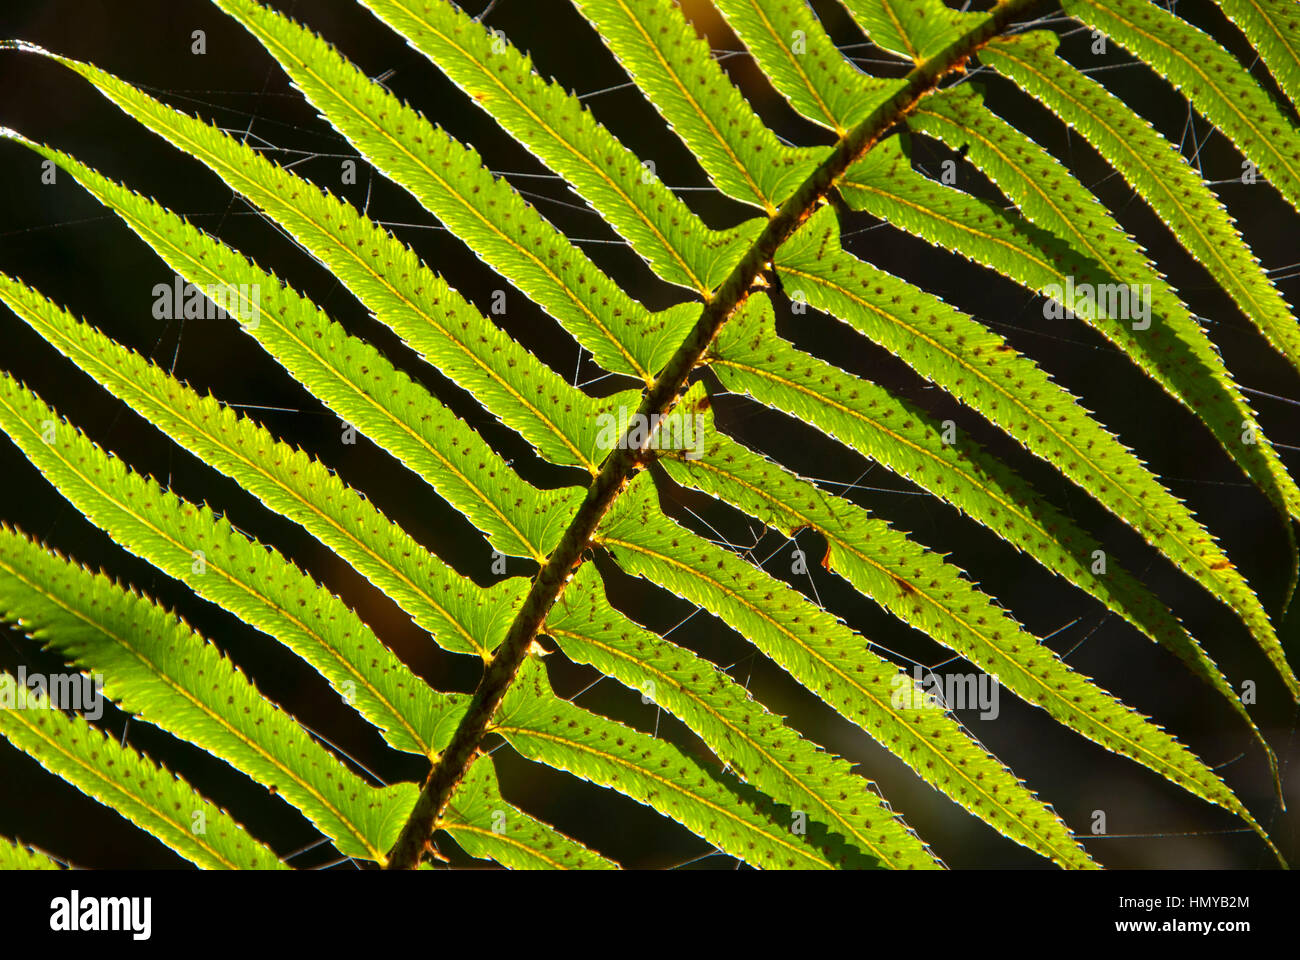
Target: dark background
[(61, 241)]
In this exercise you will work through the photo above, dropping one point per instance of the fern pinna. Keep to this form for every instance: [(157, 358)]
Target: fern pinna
[(652, 435)]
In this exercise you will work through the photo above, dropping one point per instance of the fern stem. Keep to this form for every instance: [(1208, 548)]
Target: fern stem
[(659, 399)]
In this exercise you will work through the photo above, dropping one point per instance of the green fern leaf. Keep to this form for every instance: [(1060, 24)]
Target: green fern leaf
[(558, 128), (1051, 197), (755, 744), (1273, 27), (149, 796), (836, 664), (801, 61), (749, 781), (258, 585), (922, 590), (749, 357), (676, 71), (450, 180), (15, 856), (461, 616), (488, 827), (429, 315), (915, 29), (1186, 365), (544, 728), (1216, 84), (352, 377), (981, 369), (157, 668)]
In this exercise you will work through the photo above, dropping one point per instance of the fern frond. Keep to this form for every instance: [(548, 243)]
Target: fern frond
[(749, 357), (926, 592), (1273, 28), (836, 664), (255, 583), (431, 317), (485, 826), (16, 856), (562, 132), (544, 728), (1215, 83), (151, 797), (1049, 195), (750, 781), (758, 746), (352, 377), (978, 367), (1186, 365), (801, 61), (157, 668), (449, 179), (461, 616)]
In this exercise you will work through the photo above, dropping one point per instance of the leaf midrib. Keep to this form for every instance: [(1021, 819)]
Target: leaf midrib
[(451, 826), (903, 33), (1266, 15)]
